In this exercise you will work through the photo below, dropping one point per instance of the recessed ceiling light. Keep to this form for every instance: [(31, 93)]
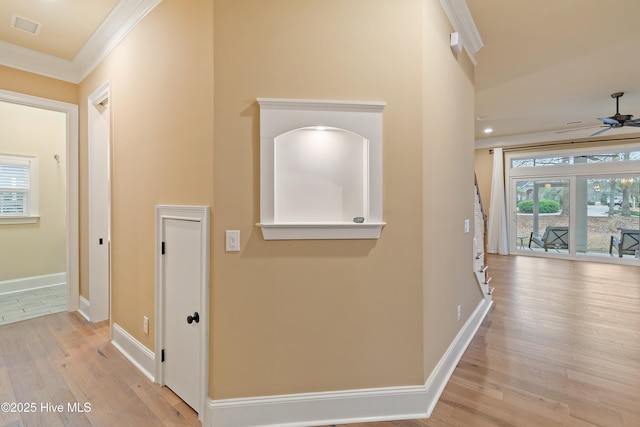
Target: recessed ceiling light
[(488, 130)]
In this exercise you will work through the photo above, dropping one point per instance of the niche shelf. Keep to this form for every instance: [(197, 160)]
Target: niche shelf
[(320, 169)]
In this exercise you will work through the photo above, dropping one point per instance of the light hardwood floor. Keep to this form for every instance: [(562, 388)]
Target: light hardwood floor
[(61, 359), (559, 348)]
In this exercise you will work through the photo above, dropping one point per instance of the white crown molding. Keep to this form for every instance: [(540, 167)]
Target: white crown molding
[(462, 21), (122, 19)]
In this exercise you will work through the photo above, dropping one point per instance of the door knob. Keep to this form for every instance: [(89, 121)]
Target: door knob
[(194, 318)]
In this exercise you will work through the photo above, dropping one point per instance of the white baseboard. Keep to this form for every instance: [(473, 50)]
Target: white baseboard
[(141, 357), (351, 406), (318, 409), (84, 307), (444, 369), (34, 282)]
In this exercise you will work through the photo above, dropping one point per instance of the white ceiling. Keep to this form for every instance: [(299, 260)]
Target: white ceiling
[(544, 63), (75, 35), (66, 24), (548, 62)]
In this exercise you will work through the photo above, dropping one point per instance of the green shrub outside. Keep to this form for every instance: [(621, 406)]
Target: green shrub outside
[(544, 206)]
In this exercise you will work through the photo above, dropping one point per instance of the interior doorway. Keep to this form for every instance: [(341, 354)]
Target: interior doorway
[(70, 166), (182, 302), (99, 116)]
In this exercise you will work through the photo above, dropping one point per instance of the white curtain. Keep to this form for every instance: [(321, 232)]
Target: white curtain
[(497, 225)]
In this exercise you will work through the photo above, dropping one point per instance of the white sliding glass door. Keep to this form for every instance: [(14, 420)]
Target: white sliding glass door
[(607, 206), (569, 205), (541, 214)]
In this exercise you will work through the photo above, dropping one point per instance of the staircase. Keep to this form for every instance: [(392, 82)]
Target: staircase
[(480, 266)]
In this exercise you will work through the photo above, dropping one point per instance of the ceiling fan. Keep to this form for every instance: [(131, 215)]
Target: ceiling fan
[(618, 120)]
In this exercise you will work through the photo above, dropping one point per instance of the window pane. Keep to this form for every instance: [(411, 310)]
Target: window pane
[(13, 203), (602, 157), (14, 176), (609, 205), (542, 215), (14, 187)]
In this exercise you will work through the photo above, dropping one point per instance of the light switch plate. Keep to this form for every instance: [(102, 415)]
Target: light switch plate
[(233, 240), (466, 225)]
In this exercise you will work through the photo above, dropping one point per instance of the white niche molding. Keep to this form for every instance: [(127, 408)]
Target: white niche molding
[(320, 169)]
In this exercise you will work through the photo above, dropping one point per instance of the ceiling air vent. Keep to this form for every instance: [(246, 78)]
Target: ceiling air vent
[(25, 24)]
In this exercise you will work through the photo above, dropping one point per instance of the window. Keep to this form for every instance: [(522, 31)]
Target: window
[(575, 204), (18, 189), (623, 155)]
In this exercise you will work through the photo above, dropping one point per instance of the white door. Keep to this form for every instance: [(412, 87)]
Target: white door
[(99, 204), (183, 320)]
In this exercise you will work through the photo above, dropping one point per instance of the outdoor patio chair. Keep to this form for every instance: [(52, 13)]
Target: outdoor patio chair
[(628, 243), (554, 237)]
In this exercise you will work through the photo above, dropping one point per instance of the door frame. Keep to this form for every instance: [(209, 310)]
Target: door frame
[(99, 290), (512, 216), (186, 213), (72, 200)]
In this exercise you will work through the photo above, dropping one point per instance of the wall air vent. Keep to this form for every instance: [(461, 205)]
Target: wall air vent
[(24, 24)]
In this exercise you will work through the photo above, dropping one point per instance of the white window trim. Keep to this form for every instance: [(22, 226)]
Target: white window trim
[(33, 216)]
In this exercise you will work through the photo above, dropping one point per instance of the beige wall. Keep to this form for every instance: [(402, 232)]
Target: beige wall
[(162, 144), (447, 195), (294, 316), (28, 250), (484, 170), (298, 316), (328, 315), (32, 84)]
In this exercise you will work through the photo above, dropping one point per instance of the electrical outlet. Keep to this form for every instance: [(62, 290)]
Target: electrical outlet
[(459, 312), (145, 325)]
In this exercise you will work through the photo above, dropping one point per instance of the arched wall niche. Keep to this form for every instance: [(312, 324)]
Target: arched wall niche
[(320, 169)]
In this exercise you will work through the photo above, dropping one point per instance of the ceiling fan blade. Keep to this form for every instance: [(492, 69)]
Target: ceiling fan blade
[(601, 131), (577, 129), (635, 123), (609, 121)]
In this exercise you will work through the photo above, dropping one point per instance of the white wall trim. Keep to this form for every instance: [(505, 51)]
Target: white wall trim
[(141, 357), (34, 282), (73, 228), (122, 19), (462, 21), (350, 406), (84, 307), (99, 184), (447, 364)]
